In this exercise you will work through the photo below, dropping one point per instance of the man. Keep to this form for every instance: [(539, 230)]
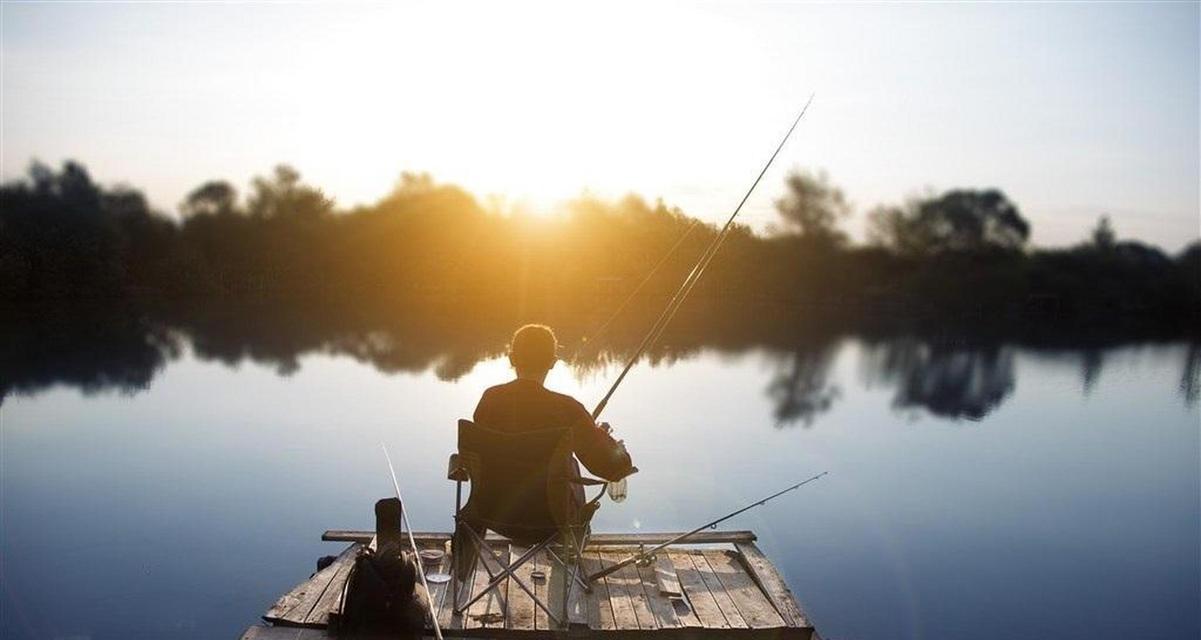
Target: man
[(526, 405)]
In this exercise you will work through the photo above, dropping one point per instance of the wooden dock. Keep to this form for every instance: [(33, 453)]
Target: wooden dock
[(718, 586)]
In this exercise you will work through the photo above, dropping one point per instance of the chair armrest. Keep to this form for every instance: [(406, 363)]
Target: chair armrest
[(587, 482), (457, 470)]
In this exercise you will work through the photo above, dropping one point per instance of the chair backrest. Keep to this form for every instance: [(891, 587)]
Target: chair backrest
[(517, 479)]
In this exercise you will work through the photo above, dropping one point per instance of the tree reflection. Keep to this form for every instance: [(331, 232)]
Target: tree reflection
[(1190, 376), (955, 381), (109, 350), (1092, 360), (120, 350), (801, 390)]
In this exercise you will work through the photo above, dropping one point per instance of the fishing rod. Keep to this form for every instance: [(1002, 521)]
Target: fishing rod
[(695, 274), (643, 556), (404, 521)]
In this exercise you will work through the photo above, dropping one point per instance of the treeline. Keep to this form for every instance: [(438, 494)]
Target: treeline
[(960, 255)]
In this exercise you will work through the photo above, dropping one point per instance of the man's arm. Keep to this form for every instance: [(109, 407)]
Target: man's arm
[(600, 453)]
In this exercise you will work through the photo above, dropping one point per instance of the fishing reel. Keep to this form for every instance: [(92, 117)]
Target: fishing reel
[(644, 559)]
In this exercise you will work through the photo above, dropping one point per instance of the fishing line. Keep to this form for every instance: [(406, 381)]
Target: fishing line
[(694, 276), (404, 521), (644, 555)]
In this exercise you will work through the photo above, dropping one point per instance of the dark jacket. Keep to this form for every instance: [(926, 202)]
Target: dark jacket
[(525, 405)]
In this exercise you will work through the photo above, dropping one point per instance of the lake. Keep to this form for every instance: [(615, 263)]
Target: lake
[(171, 484)]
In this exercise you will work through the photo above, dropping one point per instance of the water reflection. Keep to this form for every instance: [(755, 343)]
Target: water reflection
[(801, 391), (1190, 376), (114, 352), (952, 380), (959, 377)]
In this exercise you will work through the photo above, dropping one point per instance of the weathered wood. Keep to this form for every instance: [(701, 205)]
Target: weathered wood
[(630, 582), (619, 599), (556, 579), (728, 609), (687, 592), (330, 602), (666, 580), (521, 604), (577, 609), (439, 592), (752, 604), (487, 612), (660, 606), (259, 632), (700, 600), (600, 610), (595, 540), (294, 607), (665, 574), (447, 617), (769, 580), (541, 591)]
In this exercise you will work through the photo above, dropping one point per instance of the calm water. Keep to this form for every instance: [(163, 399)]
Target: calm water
[(996, 492)]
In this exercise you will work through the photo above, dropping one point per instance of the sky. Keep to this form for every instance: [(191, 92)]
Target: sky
[(1074, 110)]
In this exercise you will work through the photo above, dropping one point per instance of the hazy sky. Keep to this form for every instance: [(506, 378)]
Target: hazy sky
[(1072, 109)]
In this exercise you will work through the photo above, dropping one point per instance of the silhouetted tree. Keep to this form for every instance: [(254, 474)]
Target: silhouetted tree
[(957, 221), (813, 208), (214, 198), (283, 195), (1103, 237)]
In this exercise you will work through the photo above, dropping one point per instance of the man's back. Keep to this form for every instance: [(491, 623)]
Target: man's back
[(525, 405)]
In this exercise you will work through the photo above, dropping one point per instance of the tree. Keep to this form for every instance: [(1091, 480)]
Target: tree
[(212, 198), (959, 220), (812, 208), (1103, 236), (283, 195)]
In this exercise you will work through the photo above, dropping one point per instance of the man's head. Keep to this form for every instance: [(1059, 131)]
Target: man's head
[(532, 352)]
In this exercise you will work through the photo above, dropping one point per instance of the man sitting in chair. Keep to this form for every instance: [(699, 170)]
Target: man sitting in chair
[(525, 405)]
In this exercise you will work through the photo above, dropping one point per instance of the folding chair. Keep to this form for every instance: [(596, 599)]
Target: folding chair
[(522, 486)]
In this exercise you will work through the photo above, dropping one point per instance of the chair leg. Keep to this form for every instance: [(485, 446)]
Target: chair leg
[(505, 573), (575, 574)]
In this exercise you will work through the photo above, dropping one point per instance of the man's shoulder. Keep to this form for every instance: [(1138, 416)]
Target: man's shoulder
[(567, 401)]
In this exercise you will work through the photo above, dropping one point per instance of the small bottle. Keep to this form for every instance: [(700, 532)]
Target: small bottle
[(617, 490)]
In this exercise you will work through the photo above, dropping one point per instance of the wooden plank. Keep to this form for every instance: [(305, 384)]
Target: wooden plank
[(293, 608), (666, 580), (498, 609), (259, 632), (330, 601), (600, 610), (597, 539), (668, 583), (752, 603), (521, 604), (487, 612), (769, 579), (577, 609), (728, 609), (661, 607), (628, 580), (556, 579), (439, 592), (446, 616), (624, 618), (541, 621), (700, 600)]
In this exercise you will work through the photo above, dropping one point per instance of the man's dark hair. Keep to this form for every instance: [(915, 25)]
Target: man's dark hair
[(533, 348)]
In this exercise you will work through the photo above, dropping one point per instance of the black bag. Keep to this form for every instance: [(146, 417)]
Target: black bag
[(381, 590)]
